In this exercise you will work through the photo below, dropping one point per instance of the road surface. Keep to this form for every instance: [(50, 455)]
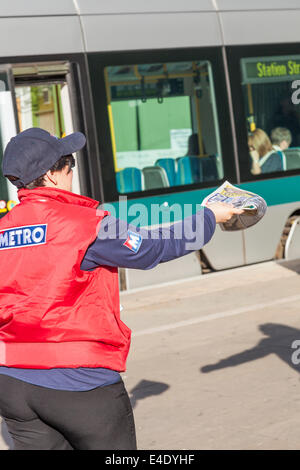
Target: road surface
[(211, 364)]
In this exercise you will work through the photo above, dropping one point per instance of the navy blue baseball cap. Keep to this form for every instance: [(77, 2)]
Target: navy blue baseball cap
[(31, 153)]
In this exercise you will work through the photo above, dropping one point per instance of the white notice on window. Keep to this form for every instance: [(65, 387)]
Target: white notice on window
[(179, 139)]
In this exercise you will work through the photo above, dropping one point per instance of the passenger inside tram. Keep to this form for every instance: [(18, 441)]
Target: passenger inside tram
[(287, 116), (265, 159), (281, 138), (193, 145)]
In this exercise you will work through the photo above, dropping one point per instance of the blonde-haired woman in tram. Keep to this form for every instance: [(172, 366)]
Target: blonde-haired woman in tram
[(265, 159)]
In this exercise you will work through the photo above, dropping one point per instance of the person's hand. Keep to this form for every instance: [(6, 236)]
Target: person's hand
[(223, 211), (255, 156)]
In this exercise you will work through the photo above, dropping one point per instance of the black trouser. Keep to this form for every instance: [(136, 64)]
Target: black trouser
[(40, 418)]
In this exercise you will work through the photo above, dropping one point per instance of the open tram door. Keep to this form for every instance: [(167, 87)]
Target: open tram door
[(38, 95), (46, 97)]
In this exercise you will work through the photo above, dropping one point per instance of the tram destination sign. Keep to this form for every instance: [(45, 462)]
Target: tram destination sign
[(150, 90), (270, 69)]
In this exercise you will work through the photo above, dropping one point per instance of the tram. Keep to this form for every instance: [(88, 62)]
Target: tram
[(166, 94)]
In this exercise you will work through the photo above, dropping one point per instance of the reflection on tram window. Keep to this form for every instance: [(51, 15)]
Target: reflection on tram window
[(40, 106), (164, 125), (272, 118)]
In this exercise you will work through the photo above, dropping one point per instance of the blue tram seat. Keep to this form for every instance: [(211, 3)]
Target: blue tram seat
[(209, 168), (282, 158), (129, 180), (155, 177), (292, 156), (169, 165), (189, 170)]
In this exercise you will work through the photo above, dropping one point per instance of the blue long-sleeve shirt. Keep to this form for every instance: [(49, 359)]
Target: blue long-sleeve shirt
[(121, 245), (156, 246)]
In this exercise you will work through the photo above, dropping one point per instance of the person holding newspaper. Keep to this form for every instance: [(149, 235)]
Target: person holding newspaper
[(62, 341)]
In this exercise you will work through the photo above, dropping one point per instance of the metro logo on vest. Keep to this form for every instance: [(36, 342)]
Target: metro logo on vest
[(19, 237)]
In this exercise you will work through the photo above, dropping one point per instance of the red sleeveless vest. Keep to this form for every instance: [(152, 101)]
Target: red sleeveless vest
[(53, 314)]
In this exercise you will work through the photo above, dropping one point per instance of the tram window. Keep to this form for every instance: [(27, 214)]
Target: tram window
[(272, 114), (164, 125)]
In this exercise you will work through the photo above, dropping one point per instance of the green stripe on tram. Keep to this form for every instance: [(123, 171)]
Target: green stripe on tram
[(274, 191)]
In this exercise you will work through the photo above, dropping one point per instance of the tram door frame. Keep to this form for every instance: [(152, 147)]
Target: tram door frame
[(8, 128), (80, 111), (68, 109)]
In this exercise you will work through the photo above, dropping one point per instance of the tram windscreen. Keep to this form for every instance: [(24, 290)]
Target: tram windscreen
[(164, 125)]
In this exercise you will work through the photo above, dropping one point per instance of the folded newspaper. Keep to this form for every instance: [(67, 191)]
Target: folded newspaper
[(254, 206)]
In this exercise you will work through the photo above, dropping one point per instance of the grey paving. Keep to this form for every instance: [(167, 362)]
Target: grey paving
[(210, 365)]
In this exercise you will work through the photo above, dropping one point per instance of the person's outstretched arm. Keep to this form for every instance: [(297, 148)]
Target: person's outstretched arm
[(120, 244)]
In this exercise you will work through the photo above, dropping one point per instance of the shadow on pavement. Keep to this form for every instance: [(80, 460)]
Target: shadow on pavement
[(293, 265), (282, 340), (145, 389)]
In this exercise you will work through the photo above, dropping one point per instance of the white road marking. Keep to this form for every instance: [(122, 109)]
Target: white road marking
[(216, 316)]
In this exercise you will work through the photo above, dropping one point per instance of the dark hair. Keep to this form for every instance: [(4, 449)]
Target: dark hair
[(193, 145), (66, 160)]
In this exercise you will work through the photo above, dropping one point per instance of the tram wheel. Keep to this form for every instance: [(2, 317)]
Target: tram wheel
[(279, 254)]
